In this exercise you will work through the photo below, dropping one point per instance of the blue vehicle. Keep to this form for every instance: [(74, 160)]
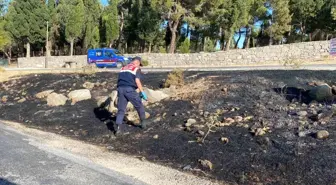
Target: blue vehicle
[(107, 57)]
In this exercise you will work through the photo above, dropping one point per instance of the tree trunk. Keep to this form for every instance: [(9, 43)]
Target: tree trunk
[(28, 50), (173, 28), (247, 38), (71, 47), (9, 55), (238, 40), (228, 42), (150, 48)]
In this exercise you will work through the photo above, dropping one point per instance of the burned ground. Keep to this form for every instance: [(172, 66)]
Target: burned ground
[(287, 153)]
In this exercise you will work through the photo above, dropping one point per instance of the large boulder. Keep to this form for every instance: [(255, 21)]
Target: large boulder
[(43, 94), (79, 95), (155, 96), (88, 85), (55, 99), (321, 93)]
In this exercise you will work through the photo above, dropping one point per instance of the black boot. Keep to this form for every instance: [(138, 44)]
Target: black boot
[(143, 124), (119, 129)]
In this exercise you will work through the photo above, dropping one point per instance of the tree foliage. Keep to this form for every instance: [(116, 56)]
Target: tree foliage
[(135, 26)]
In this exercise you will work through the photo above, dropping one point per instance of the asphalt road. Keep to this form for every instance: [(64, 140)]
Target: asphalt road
[(24, 161), (229, 68)]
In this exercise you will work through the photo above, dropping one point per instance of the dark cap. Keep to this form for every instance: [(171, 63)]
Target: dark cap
[(138, 58)]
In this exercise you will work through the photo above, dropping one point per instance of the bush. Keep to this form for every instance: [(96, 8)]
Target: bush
[(185, 46), (162, 49), (145, 63), (209, 46), (176, 77)]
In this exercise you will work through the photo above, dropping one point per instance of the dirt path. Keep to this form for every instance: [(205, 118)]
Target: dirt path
[(142, 170)]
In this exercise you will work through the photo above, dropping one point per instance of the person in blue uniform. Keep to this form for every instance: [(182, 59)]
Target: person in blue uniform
[(128, 83)]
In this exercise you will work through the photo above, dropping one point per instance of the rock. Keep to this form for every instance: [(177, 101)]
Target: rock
[(102, 101), (248, 118), (43, 94), (55, 99), (225, 90), (229, 121), (4, 99), (323, 134), (79, 95), (201, 133), (238, 118), (156, 136), (325, 116), (187, 168), (22, 100), (155, 96), (206, 164), (259, 132), (190, 122), (302, 113), (321, 92), (224, 140), (88, 85)]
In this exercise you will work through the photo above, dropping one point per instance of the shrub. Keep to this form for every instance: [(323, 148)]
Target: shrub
[(162, 49), (145, 62), (209, 46), (185, 46), (175, 77)]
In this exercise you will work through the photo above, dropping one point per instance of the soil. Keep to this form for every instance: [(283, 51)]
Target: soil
[(281, 156)]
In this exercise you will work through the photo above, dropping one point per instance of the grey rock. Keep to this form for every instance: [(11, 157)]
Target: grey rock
[(302, 113), (43, 94), (55, 99), (79, 95), (322, 134)]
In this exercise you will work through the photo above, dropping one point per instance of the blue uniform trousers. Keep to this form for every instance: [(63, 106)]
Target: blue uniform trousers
[(125, 95)]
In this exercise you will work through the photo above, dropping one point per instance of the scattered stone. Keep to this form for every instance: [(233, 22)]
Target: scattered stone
[(225, 90), (79, 95), (238, 118), (206, 164), (190, 122), (175, 114), (4, 99), (110, 148), (200, 132), (323, 134), (22, 100), (187, 168), (55, 99), (259, 132), (325, 116), (248, 118), (224, 140), (17, 98), (229, 121), (156, 137), (302, 113), (88, 85), (43, 94)]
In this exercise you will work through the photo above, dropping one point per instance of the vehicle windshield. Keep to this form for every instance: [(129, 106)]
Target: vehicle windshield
[(117, 52)]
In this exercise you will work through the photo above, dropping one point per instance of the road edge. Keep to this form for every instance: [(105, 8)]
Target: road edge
[(144, 171)]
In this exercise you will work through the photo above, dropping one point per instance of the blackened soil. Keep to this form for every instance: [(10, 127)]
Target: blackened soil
[(278, 157)]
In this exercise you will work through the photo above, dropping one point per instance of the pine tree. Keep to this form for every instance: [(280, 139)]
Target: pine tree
[(71, 18), (280, 21), (91, 23), (26, 21), (111, 23)]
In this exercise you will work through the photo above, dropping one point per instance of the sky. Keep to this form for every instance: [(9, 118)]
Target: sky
[(104, 2)]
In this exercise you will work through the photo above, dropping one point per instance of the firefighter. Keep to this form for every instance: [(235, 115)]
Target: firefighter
[(128, 83)]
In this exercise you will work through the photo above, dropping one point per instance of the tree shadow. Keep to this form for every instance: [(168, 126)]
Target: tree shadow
[(294, 93), (5, 182)]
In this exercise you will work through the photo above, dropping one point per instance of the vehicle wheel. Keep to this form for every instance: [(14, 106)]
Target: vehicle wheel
[(120, 65)]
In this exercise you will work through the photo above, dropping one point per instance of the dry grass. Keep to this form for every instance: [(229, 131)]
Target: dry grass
[(175, 78)]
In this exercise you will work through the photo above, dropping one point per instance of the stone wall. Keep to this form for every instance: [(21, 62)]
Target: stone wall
[(307, 51), (53, 61)]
